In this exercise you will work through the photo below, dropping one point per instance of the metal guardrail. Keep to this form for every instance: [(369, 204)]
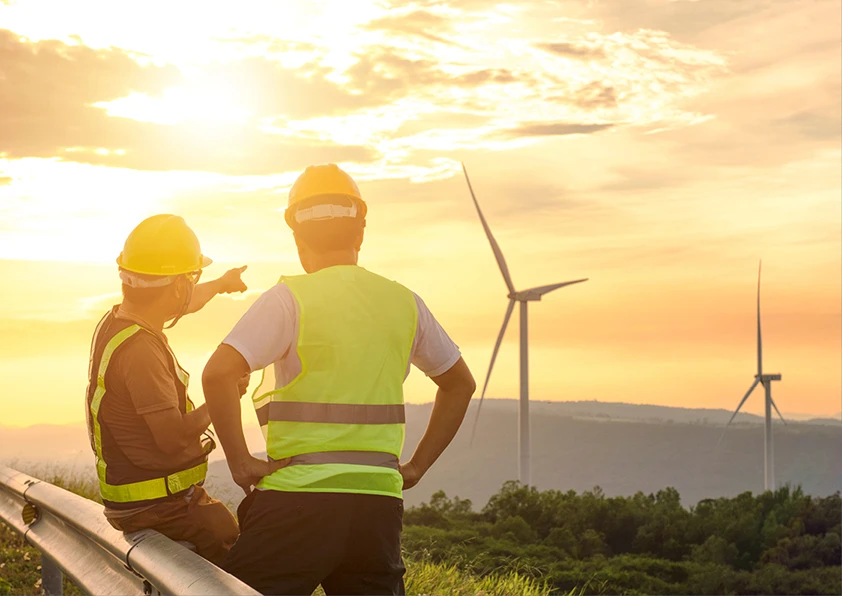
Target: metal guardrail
[(76, 540)]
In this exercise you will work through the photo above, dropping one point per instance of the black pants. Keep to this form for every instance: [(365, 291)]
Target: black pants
[(292, 542)]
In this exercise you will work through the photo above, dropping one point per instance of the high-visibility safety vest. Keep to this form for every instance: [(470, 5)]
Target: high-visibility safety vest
[(342, 420), (121, 483)]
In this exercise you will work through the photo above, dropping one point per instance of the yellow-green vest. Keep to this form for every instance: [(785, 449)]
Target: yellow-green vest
[(342, 420), (145, 486)]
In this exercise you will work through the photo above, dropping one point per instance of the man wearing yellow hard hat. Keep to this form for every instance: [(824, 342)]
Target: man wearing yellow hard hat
[(341, 339), (151, 457)]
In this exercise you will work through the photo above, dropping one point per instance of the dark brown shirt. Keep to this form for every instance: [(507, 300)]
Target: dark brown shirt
[(140, 382)]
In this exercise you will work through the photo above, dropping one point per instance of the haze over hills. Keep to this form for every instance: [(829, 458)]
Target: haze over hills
[(622, 448)]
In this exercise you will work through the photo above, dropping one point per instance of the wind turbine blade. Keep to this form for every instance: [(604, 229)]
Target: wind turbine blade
[(498, 254), (509, 310), (759, 338), (734, 415), (774, 405), (541, 290)]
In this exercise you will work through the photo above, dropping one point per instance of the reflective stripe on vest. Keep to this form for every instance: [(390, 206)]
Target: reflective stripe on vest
[(341, 420), (155, 488), (281, 411), (358, 458)]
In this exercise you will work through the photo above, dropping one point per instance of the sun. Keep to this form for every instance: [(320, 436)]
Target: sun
[(200, 101)]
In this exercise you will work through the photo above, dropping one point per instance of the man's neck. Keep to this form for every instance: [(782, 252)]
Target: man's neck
[(318, 262), (148, 317)]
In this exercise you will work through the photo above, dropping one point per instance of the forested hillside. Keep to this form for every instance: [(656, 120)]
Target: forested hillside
[(782, 542)]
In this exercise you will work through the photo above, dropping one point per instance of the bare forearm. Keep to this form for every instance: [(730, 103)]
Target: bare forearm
[(448, 412), (202, 294), (223, 401), (174, 432)]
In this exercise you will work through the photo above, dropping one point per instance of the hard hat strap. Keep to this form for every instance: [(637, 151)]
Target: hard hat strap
[(184, 306)]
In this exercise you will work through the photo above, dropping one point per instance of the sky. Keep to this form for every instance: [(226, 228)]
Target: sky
[(659, 148)]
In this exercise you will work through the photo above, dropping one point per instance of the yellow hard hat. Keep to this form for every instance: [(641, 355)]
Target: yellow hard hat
[(327, 180), (162, 245)]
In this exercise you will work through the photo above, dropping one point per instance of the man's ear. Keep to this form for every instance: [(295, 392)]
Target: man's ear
[(361, 237), (179, 288)]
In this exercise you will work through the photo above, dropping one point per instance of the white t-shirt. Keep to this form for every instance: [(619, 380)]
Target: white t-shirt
[(268, 333)]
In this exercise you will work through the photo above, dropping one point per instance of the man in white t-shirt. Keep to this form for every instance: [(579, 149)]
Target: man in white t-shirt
[(328, 506)]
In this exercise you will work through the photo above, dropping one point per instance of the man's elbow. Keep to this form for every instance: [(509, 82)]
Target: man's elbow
[(469, 387), (464, 385), (211, 375), (214, 372), (223, 369), (466, 382)]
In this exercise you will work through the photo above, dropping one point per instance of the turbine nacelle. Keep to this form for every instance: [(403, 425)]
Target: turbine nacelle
[(768, 377), (535, 294)]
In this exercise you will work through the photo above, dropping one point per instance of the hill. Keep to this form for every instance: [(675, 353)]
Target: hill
[(623, 448)]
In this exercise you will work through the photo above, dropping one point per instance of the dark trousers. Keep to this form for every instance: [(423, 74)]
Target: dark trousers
[(204, 522), (292, 542)]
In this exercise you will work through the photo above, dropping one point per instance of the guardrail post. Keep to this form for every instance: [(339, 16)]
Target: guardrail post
[(51, 576)]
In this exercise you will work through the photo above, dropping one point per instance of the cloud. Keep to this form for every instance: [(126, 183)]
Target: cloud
[(49, 88), (573, 50), (821, 125), (229, 151), (593, 95), (419, 23), (556, 129), (269, 43), (41, 78), (382, 100), (266, 88), (382, 74), (686, 21)]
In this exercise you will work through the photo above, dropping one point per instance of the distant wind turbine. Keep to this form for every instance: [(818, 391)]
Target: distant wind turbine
[(523, 297), (766, 381)]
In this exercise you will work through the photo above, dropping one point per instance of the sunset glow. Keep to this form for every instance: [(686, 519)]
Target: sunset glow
[(660, 148)]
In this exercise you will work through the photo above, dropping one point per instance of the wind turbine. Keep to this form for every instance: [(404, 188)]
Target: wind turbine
[(766, 380), (523, 297)]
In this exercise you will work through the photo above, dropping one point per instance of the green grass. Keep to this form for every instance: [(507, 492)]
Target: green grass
[(84, 485), (425, 577), (20, 571), (20, 563), (20, 566)]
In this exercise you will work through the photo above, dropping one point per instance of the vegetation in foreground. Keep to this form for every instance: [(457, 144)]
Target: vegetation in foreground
[(20, 563), (531, 542), (781, 542)]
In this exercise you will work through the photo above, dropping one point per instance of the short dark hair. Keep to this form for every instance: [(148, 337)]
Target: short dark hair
[(326, 235)]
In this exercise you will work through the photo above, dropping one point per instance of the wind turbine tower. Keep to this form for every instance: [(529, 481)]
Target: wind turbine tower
[(523, 297), (766, 380)]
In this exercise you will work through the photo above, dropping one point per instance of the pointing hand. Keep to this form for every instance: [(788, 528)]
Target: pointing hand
[(231, 282)]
